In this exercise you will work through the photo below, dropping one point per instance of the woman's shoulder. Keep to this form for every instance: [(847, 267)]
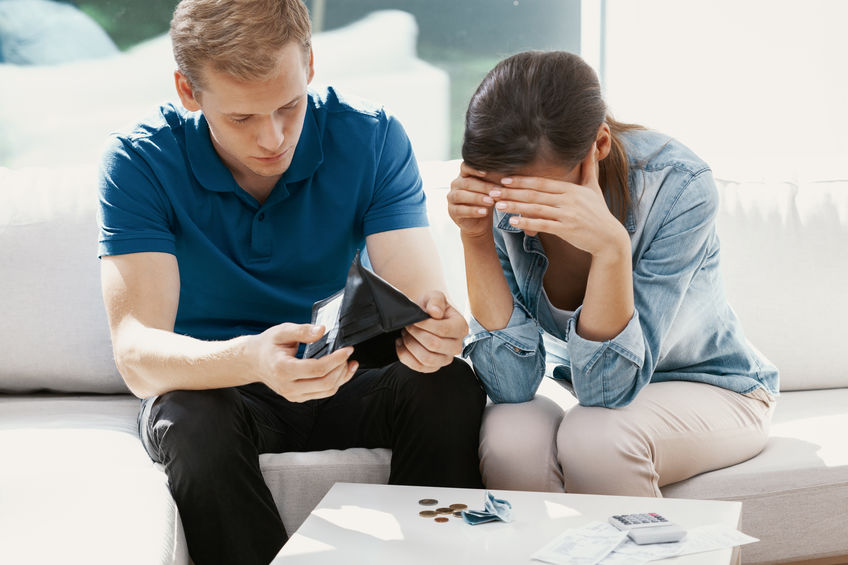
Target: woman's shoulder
[(666, 176), (651, 150)]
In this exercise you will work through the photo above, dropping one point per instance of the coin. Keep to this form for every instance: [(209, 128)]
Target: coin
[(458, 506), (428, 502), (441, 519), (458, 513), (428, 513), (444, 510)]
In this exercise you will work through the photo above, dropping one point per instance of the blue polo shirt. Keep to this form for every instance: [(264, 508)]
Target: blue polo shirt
[(245, 267)]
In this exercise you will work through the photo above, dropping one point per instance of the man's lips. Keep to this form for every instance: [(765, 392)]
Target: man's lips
[(272, 158)]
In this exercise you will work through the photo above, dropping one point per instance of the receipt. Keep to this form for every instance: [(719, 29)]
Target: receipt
[(697, 540), (581, 546), (601, 543)]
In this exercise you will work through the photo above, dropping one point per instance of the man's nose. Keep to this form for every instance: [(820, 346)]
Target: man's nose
[(271, 133)]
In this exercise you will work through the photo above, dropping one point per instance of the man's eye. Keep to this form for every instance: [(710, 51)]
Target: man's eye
[(239, 120)]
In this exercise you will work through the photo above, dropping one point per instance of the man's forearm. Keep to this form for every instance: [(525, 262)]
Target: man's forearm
[(154, 361)]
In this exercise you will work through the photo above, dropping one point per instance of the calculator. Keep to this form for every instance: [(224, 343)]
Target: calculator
[(648, 528)]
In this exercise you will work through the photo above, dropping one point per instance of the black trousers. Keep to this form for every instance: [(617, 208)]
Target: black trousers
[(209, 442)]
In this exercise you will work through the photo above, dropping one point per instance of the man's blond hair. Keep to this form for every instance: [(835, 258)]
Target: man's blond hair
[(241, 38)]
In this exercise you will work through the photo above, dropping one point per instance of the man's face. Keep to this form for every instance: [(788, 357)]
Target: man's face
[(255, 125)]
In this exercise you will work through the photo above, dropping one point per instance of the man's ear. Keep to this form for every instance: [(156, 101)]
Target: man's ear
[(186, 92), (603, 141), (310, 72)]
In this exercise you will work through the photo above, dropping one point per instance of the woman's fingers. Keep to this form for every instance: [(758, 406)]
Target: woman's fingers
[(535, 225), (470, 198), (529, 210), (467, 170)]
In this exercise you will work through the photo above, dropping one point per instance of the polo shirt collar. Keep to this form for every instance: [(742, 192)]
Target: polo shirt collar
[(308, 155), (213, 174), (207, 166)]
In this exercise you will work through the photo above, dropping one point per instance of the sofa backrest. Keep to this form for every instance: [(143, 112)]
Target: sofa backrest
[(53, 333), (784, 263), (784, 255)]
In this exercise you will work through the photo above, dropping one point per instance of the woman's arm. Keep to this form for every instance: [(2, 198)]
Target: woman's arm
[(505, 345), (612, 372)]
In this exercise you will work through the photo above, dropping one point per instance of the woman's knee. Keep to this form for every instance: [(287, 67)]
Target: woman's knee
[(518, 446), (601, 451)]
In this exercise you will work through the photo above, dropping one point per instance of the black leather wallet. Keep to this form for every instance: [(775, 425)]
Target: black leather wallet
[(368, 314)]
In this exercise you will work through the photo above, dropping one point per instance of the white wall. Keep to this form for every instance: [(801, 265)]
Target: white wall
[(759, 88)]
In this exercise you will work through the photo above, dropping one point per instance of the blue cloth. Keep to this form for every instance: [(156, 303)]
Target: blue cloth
[(39, 32), (244, 266), (682, 328)]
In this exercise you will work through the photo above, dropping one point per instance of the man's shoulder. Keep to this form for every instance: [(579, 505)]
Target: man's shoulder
[(159, 127), (337, 106)]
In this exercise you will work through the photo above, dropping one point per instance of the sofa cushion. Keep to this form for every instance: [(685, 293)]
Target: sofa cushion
[(82, 489), (802, 473), (79, 464), (39, 32), (785, 268), (298, 481)]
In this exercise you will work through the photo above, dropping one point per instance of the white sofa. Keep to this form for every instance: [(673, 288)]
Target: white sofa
[(77, 487)]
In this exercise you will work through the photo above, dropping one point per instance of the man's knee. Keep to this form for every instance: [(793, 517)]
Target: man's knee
[(194, 423), (453, 387)]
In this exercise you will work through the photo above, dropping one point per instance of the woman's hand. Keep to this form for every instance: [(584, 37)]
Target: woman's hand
[(469, 203), (576, 213)]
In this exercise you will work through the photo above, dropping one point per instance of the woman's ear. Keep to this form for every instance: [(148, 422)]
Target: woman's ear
[(603, 142), (186, 92)]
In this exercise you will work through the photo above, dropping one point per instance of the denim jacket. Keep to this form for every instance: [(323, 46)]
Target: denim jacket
[(682, 328)]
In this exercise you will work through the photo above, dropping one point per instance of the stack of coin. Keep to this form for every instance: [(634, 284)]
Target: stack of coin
[(441, 514)]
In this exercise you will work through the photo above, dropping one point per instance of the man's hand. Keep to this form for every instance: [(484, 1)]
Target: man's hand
[(431, 344), (299, 380)]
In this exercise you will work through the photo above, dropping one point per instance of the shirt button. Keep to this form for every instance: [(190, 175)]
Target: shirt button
[(261, 216)]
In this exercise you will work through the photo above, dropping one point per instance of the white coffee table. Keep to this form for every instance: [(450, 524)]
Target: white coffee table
[(374, 524)]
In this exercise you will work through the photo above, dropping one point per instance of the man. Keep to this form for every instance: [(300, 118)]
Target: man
[(220, 226)]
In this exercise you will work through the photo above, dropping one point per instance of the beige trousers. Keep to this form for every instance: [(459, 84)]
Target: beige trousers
[(670, 432)]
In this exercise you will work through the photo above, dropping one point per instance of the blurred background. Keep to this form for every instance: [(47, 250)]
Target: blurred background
[(757, 87)]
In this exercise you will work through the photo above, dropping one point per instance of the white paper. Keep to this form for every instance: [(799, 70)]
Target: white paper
[(601, 543), (697, 540), (328, 314), (581, 546), (714, 536)]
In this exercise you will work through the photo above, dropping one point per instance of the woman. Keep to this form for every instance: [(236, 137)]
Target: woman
[(590, 245)]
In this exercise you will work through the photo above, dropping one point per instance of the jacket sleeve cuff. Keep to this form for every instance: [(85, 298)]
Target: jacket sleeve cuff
[(511, 361), (584, 353)]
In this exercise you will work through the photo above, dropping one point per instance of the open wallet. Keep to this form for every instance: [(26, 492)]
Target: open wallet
[(368, 314)]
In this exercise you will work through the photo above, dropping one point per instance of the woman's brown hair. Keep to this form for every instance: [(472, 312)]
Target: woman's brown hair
[(544, 104)]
